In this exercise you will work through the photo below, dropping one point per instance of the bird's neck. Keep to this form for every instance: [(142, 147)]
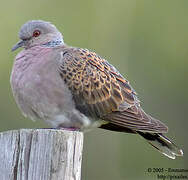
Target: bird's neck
[(54, 43)]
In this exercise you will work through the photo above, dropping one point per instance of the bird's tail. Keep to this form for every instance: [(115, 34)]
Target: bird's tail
[(162, 144)]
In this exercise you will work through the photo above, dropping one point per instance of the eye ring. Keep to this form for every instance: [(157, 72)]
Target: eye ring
[(36, 33)]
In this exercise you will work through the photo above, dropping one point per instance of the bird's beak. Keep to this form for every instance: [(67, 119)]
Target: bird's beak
[(18, 45)]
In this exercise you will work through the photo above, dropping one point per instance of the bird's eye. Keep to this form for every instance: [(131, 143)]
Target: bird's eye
[(36, 33)]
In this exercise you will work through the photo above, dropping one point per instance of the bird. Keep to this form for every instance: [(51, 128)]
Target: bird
[(76, 89)]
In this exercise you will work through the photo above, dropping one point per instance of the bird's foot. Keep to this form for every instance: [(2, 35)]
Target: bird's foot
[(63, 128), (69, 128)]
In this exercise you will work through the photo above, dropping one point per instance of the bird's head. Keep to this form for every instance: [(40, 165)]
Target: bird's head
[(38, 32)]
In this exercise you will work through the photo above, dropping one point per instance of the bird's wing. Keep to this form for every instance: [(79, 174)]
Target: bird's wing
[(100, 91)]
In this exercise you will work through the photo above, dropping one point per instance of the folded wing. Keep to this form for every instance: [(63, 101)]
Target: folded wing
[(100, 91)]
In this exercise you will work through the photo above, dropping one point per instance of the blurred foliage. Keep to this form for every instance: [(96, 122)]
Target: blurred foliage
[(146, 40)]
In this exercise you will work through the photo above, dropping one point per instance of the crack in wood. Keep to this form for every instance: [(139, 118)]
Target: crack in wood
[(16, 153)]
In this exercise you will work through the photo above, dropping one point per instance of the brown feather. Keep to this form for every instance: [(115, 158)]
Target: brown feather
[(100, 91)]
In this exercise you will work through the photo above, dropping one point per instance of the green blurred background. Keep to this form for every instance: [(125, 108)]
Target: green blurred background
[(146, 40)]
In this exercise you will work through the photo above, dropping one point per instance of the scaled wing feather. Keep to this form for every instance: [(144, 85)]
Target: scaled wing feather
[(100, 91)]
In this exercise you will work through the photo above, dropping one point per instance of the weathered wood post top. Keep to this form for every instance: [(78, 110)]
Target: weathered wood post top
[(40, 154)]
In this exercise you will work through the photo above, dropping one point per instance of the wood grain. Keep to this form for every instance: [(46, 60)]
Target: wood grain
[(41, 154)]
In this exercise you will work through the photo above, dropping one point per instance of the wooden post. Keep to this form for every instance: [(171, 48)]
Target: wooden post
[(40, 154)]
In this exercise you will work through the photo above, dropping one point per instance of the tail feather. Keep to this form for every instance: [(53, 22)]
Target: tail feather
[(162, 144)]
